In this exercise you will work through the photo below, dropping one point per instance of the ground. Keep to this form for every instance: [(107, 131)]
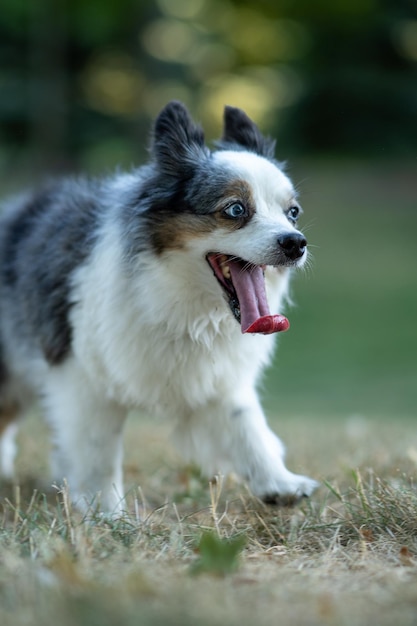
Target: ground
[(347, 556)]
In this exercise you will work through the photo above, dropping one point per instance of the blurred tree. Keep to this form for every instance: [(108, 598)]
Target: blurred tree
[(81, 79), (360, 78)]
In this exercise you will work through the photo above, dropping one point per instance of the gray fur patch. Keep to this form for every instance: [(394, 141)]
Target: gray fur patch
[(42, 242)]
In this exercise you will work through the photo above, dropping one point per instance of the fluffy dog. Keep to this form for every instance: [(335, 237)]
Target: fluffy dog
[(152, 289)]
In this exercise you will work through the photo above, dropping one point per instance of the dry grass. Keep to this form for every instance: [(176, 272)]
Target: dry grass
[(347, 556)]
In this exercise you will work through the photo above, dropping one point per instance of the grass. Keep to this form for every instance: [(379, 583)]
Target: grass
[(192, 552), (189, 552)]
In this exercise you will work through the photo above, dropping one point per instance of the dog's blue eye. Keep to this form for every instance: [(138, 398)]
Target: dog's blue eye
[(293, 213), (235, 210)]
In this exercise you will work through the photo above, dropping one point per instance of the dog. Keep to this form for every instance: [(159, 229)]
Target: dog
[(158, 289)]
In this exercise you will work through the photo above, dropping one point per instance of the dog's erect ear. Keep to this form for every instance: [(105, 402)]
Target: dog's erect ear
[(239, 129), (177, 142)]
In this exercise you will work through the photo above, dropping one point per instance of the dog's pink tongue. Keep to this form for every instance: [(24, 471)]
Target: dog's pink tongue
[(255, 316)]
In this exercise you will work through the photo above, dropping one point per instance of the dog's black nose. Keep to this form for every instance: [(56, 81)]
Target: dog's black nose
[(293, 245)]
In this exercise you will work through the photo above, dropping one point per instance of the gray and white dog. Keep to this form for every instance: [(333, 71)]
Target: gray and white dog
[(152, 289)]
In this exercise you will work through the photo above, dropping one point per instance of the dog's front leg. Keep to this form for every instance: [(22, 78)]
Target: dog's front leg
[(233, 436), (87, 431)]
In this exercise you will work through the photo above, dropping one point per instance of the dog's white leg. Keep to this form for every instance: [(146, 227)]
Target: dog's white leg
[(87, 430), (234, 436), (8, 450)]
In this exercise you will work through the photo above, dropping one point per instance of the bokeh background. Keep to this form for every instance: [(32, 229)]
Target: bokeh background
[(334, 82)]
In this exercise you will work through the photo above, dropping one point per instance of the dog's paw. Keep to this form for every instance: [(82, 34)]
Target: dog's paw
[(290, 491)]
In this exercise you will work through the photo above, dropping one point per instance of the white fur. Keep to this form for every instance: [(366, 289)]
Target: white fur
[(87, 429), (8, 450)]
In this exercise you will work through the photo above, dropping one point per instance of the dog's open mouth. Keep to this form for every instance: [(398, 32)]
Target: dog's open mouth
[(244, 286)]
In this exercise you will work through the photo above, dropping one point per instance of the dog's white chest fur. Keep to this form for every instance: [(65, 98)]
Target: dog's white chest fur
[(164, 342)]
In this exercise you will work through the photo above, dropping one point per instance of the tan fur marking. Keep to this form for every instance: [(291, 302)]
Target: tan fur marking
[(177, 230)]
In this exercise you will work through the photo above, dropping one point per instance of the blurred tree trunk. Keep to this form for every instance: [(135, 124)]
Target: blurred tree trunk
[(49, 84)]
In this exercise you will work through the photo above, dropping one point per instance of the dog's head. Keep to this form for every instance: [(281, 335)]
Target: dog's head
[(232, 208)]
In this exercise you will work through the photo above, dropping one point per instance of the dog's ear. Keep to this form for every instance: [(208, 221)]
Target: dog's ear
[(239, 129), (177, 143)]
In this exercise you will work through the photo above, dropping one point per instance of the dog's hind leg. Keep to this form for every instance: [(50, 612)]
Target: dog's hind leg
[(9, 412), (87, 430), (8, 448), (233, 436)]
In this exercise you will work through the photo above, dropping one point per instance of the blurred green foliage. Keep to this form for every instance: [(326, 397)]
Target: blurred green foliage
[(80, 79), (218, 556)]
